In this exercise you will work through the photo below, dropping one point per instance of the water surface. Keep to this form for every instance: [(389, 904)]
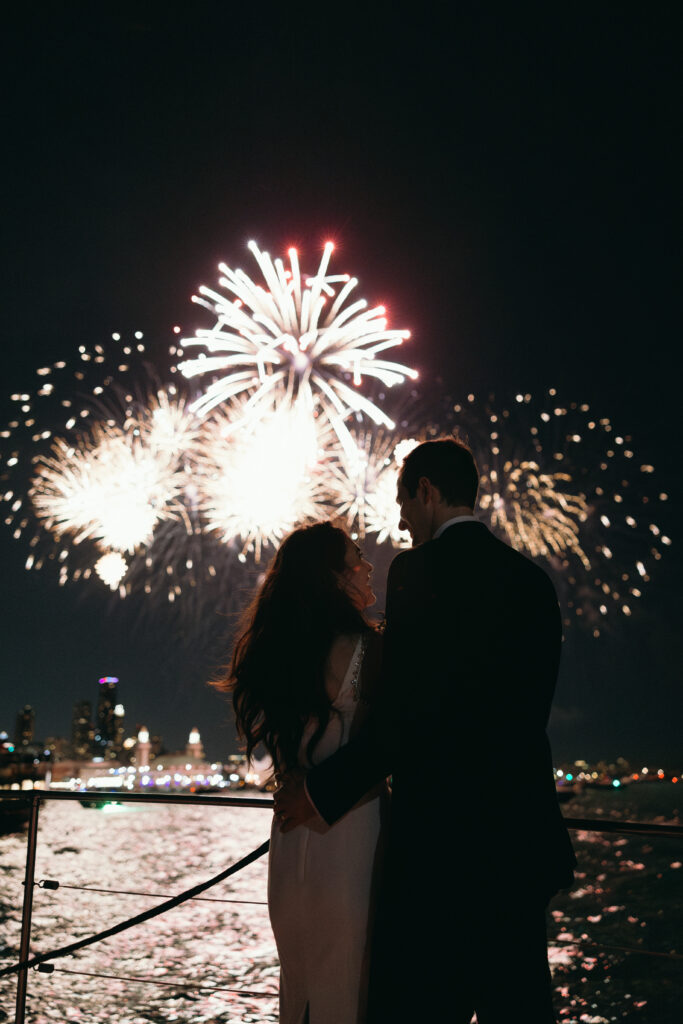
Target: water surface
[(627, 903)]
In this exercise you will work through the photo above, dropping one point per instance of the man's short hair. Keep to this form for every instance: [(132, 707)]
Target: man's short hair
[(449, 465)]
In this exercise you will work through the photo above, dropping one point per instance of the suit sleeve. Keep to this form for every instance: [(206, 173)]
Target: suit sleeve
[(335, 785)]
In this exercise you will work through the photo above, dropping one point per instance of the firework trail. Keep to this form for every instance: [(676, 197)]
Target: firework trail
[(298, 333), (562, 485)]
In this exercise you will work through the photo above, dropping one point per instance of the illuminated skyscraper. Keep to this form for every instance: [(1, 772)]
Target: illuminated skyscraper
[(23, 733), (109, 725), (82, 730)]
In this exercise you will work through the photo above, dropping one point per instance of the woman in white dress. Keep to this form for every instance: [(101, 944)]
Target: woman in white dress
[(301, 678)]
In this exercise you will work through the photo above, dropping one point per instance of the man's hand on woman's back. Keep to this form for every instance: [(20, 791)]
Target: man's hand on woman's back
[(292, 805)]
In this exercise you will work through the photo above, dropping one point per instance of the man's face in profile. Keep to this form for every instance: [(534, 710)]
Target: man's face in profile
[(414, 515)]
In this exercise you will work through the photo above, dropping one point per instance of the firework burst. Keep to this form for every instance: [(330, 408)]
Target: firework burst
[(92, 468), (138, 490), (534, 510), (363, 484), (111, 568), (298, 333), (562, 485), (110, 488), (258, 477)]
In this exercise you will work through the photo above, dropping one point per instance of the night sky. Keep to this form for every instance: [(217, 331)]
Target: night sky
[(508, 185)]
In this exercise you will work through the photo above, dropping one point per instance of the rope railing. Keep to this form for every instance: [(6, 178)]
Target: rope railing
[(627, 828), (51, 883), (180, 986), (587, 944), (35, 798), (41, 962), (146, 915)]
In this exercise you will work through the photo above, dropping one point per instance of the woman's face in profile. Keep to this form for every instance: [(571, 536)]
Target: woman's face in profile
[(355, 579)]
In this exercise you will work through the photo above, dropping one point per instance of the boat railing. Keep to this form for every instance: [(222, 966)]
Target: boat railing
[(42, 961)]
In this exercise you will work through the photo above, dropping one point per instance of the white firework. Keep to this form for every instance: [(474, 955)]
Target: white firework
[(258, 477), (298, 333), (111, 487), (111, 568), (365, 484), (166, 424)]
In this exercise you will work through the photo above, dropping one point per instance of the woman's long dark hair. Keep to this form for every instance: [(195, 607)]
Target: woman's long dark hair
[(277, 672)]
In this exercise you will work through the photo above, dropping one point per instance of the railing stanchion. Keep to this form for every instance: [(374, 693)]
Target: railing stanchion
[(27, 910)]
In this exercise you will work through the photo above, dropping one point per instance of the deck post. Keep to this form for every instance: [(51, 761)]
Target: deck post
[(27, 909)]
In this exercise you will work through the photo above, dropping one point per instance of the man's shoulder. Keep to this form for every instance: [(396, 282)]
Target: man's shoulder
[(438, 553), (522, 566), (402, 563), (476, 545), (411, 560), (473, 545), (410, 571)]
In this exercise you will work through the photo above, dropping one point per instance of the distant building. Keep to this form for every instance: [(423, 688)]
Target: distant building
[(23, 733), (142, 748), (157, 745), (82, 731), (119, 712), (190, 760), (109, 723), (194, 749), (58, 747), (144, 771)]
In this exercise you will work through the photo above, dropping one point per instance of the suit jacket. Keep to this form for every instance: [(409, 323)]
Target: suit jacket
[(472, 649)]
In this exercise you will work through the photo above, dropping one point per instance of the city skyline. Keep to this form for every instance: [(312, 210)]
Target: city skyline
[(154, 749), (194, 735), (97, 731)]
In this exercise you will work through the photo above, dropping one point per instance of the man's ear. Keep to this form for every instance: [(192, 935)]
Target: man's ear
[(427, 491)]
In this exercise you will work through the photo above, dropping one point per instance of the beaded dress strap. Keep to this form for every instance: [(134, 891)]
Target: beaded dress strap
[(357, 664)]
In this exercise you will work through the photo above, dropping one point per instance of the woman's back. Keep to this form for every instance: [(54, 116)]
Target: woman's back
[(342, 682), (296, 690), (322, 879)]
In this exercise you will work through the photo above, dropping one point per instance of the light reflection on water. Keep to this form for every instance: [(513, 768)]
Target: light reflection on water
[(629, 892), (154, 849)]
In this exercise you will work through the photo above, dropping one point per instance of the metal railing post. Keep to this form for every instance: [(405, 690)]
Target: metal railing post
[(27, 910)]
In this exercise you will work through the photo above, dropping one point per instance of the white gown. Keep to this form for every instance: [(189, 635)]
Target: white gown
[(321, 891)]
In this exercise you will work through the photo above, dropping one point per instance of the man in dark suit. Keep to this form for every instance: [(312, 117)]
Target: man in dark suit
[(476, 844)]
